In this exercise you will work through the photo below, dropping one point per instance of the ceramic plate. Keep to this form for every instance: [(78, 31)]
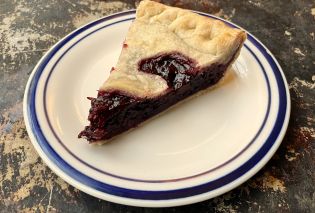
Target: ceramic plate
[(199, 149)]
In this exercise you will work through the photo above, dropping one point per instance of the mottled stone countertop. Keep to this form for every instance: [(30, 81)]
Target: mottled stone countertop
[(29, 27)]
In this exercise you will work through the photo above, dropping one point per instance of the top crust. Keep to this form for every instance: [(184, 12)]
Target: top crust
[(203, 34), (161, 29)]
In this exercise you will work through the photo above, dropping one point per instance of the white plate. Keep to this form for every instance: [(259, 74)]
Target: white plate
[(202, 148)]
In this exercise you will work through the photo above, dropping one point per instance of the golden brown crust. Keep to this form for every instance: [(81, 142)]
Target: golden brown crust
[(160, 29)]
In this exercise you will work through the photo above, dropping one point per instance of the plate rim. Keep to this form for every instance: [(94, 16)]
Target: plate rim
[(135, 201)]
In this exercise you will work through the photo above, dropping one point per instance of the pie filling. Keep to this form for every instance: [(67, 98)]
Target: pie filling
[(176, 69), (114, 112)]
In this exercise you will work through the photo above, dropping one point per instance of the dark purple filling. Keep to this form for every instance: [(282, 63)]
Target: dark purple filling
[(175, 68), (103, 115), (113, 112)]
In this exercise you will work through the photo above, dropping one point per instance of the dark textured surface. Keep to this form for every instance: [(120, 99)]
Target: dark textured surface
[(28, 28)]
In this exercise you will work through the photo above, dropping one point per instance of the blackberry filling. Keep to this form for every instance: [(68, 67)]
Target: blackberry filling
[(176, 69), (114, 112)]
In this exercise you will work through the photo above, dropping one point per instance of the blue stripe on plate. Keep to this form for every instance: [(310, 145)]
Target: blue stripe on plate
[(142, 194)]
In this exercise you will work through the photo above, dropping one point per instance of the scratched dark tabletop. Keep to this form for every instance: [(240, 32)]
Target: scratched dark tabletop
[(29, 27)]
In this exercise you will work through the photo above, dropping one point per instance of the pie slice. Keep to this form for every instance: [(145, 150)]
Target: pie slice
[(168, 55)]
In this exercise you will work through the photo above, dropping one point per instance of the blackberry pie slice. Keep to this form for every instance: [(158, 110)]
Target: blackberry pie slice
[(168, 55)]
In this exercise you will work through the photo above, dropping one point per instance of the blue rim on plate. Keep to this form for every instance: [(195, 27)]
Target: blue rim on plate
[(284, 105)]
